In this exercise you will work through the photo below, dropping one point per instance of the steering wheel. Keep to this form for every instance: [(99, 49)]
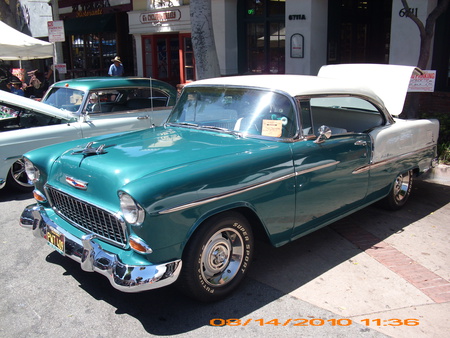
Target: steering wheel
[(278, 116)]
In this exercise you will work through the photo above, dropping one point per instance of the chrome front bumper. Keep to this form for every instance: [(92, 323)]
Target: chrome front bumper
[(91, 256)]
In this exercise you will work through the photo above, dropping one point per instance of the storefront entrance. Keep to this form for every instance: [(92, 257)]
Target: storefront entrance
[(359, 31), (262, 36), (168, 57)]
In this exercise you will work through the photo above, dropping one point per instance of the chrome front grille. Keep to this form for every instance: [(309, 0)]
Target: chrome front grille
[(88, 217)]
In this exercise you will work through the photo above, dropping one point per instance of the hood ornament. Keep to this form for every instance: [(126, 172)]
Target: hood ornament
[(89, 150), (76, 183)]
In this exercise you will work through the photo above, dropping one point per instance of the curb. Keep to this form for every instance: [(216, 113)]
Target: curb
[(439, 174)]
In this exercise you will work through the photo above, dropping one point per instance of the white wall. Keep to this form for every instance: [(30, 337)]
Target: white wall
[(224, 13), (314, 31), (405, 35)]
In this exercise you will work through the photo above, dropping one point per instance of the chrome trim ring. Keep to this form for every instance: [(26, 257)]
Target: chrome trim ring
[(222, 257), (402, 186)]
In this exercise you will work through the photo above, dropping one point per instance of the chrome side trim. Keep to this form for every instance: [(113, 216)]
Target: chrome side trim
[(388, 161), (323, 166), (225, 195), (243, 190), (93, 258)]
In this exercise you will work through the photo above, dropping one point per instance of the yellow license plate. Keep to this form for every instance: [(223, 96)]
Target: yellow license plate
[(56, 240)]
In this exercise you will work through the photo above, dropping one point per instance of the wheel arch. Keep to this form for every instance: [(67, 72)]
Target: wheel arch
[(244, 209)]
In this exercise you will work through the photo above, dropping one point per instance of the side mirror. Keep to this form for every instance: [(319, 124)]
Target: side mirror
[(324, 134), (86, 117)]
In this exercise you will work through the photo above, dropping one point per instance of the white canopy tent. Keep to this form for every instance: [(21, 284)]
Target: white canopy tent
[(15, 45)]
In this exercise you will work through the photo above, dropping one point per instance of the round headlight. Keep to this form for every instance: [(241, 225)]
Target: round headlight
[(31, 171), (132, 212)]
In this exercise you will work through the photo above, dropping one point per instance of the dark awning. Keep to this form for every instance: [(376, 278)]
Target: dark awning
[(90, 24)]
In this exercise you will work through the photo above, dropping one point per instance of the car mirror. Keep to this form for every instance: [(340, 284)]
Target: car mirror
[(86, 117), (324, 134)]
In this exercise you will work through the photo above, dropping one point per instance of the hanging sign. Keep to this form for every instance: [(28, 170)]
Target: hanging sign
[(423, 83), (56, 31)]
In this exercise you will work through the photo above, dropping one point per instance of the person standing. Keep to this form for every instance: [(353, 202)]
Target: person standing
[(17, 88), (116, 69)]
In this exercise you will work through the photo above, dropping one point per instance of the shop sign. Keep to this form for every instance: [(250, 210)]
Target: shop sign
[(153, 17), (297, 17), (164, 3), (86, 8), (61, 68), (297, 45), (423, 82), (56, 31)]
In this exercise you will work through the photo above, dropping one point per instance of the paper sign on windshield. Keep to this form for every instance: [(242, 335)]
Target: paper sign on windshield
[(272, 128)]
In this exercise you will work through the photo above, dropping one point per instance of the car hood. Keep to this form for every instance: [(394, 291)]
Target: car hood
[(30, 104), (157, 154), (389, 82)]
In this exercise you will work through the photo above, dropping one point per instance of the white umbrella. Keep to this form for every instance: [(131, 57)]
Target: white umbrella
[(15, 45)]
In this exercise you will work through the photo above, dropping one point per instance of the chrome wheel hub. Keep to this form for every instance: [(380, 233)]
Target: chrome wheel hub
[(401, 186), (221, 257)]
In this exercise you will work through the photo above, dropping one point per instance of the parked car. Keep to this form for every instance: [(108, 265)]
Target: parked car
[(109, 94), (76, 109), (275, 156)]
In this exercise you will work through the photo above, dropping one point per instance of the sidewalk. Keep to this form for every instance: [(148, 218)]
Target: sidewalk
[(376, 265)]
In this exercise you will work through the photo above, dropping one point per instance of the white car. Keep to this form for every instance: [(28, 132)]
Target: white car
[(26, 124)]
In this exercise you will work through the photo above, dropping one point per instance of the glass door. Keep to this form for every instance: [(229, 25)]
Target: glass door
[(161, 58)]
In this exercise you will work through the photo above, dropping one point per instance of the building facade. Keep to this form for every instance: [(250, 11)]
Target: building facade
[(153, 37)]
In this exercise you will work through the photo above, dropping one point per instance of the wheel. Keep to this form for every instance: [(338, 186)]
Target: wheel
[(17, 178), (400, 192), (217, 257)]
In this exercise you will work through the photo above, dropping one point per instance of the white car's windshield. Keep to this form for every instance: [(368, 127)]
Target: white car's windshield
[(248, 111), (64, 98)]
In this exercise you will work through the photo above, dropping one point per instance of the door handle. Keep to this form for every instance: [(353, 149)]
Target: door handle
[(360, 143), (142, 117)]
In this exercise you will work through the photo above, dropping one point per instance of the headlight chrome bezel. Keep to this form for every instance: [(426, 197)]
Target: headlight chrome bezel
[(132, 212), (32, 172)]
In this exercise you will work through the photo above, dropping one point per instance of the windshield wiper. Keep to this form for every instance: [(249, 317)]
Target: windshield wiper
[(187, 124), (224, 130)]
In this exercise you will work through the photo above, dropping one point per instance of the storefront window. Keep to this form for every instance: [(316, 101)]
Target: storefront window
[(263, 50), (189, 64), (91, 54)]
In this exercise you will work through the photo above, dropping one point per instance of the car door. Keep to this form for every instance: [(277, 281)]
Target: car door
[(328, 184), (108, 111), (114, 123)]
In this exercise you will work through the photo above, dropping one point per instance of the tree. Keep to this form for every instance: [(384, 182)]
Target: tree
[(426, 37), (427, 30), (206, 60)]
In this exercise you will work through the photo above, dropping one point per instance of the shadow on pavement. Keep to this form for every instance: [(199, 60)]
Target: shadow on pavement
[(167, 312), (7, 195)]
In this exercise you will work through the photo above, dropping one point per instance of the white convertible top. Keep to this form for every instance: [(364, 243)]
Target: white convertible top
[(385, 84)]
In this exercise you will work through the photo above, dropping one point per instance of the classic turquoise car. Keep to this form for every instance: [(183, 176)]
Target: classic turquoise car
[(273, 156)]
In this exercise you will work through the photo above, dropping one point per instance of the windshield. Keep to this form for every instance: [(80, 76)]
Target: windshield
[(251, 112), (64, 98)]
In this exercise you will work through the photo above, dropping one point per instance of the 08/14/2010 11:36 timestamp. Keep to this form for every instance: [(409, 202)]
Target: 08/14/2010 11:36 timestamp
[(313, 322)]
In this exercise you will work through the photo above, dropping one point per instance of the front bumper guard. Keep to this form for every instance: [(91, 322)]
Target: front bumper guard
[(91, 256)]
